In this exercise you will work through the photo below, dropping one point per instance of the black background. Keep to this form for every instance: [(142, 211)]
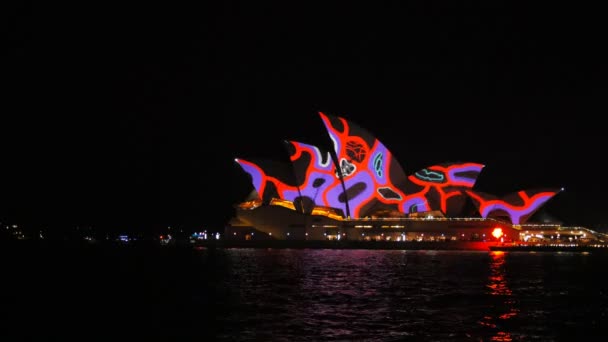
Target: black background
[(130, 115)]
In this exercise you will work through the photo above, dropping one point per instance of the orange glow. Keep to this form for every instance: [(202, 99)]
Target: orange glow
[(282, 203), (497, 232), (326, 211), (250, 204)]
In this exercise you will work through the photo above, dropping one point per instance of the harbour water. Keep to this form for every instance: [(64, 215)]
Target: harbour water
[(231, 294)]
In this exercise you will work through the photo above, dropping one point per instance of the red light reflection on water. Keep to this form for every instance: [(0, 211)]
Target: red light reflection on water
[(497, 282), (498, 286)]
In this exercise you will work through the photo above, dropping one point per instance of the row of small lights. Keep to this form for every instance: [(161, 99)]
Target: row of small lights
[(362, 234)]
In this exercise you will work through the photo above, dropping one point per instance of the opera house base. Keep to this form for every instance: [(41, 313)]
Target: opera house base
[(279, 227), (346, 244), (273, 226), (583, 248)]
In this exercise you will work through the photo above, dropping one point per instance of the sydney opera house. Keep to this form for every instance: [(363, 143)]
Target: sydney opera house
[(359, 191)]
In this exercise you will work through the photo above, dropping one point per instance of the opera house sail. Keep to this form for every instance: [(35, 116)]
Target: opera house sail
[(516, 207), (444, 186), (374, 180)]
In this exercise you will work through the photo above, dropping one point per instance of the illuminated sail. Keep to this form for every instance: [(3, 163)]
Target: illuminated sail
[(315, 176), (372, 177), (516, 207), (271, 179), (444, 185)]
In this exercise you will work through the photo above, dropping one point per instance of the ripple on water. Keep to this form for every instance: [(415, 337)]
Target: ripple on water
[(372, 295)]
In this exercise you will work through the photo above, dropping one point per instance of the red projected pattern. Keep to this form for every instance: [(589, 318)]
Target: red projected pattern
[(517, 207), (315, 175), (366, 166), (373, 180), (267, 186), (443, 185)]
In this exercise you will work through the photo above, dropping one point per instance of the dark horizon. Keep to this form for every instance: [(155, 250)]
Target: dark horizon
[(132, 116)]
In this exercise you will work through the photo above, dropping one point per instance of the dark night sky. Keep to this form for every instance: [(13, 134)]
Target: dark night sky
[(131, 115)]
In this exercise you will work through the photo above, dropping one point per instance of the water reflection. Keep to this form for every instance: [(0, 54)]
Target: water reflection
[(349, 286), (375, 295), (504, 308)]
